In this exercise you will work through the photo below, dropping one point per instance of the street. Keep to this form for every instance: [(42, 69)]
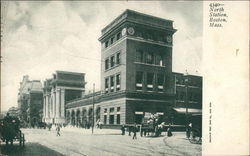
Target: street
[(80, 142)]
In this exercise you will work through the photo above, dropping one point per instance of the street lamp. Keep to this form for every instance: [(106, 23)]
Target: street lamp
[(93, 118), (186, 99)]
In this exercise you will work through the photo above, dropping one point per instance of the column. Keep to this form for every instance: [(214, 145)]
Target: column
[(57, 110), (44, 108), (54, 103), (51, 105), (62, 103), (47, 106)]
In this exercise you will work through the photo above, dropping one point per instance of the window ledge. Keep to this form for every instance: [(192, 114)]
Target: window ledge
[(149, 64)]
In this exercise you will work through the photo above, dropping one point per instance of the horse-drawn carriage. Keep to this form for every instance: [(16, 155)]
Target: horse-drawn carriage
[(195, 128), (10, 131), (151, 124)]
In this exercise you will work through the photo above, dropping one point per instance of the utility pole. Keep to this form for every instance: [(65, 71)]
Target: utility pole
[(186, 99), (93, 119)]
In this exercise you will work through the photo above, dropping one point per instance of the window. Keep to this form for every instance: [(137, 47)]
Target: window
[(118, 82), (111, 116), (139, 56), (118, 109), (159, 60), (150, 58), (139, 80), (106, 64), (106, 85), (150, 79), (106, 44), (160, 82), (105, 110), (118, 36), (112, 40), (111, 119), (112, 83), (139, 34), (118, 58), (112, 61), (118, 119), (111, 110), (105, 119)]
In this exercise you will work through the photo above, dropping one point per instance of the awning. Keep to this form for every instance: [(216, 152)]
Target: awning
[(190, 111), (139, 113)]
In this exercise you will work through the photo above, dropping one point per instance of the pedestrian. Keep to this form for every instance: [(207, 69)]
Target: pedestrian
[(123, 130), (129, 130), (58, 130), (169, 132), (189, 127), (134, 131)]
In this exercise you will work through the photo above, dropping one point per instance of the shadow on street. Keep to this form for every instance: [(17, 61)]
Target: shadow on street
[(30, 149)]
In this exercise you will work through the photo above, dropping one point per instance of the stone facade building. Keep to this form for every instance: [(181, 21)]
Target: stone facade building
[(30, 100), (62, 87)]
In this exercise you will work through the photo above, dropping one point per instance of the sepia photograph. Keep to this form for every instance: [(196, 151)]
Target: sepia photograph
[(106, 78)]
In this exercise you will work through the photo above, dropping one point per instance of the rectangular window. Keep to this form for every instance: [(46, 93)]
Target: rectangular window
[(118, 109), (106, 64), (111, 116), (118, 119), (105, 110), (112, 83), (139, 56), (160, 82), (159, 60), (111, 119), (106, 44), (112, 61), (118, 82), (106, 85), (150, 58), (112, 40), (139, 80), (150, 80), (118, 36), (105, 119), (118, 58), (111, 110)]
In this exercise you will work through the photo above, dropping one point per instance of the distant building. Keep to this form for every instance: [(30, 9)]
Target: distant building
[(188, 96), (136, 72), (61, 88), (13, 111), (30, 100)]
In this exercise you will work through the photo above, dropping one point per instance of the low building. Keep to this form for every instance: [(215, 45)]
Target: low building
[(188, 97)]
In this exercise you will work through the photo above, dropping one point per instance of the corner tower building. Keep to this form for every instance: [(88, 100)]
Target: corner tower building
[(136, 69)]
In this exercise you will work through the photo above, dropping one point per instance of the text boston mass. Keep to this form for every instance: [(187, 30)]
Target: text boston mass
[(217, 16)]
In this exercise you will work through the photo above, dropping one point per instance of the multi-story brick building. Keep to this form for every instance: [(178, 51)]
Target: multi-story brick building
[(136, 72), (30, 99), (188, 96), (61, 88)]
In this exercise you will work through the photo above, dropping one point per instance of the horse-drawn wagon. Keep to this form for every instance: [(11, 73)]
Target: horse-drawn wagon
[(10, 131)]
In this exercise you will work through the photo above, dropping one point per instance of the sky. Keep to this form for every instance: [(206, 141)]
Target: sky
[(42, 37)]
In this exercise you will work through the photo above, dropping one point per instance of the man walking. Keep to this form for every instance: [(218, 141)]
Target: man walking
[(134, 131), (58, 130)]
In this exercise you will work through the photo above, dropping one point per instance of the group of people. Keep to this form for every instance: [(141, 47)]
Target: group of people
[(130, 129)]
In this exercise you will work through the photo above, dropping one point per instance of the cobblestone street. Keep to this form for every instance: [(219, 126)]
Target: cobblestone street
[(74, 142)]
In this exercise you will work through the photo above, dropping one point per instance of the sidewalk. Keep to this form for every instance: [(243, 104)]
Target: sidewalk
[(89, 131)]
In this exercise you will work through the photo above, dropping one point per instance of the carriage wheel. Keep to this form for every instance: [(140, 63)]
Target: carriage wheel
[(23, 139), (194, 136), (20, 139)]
